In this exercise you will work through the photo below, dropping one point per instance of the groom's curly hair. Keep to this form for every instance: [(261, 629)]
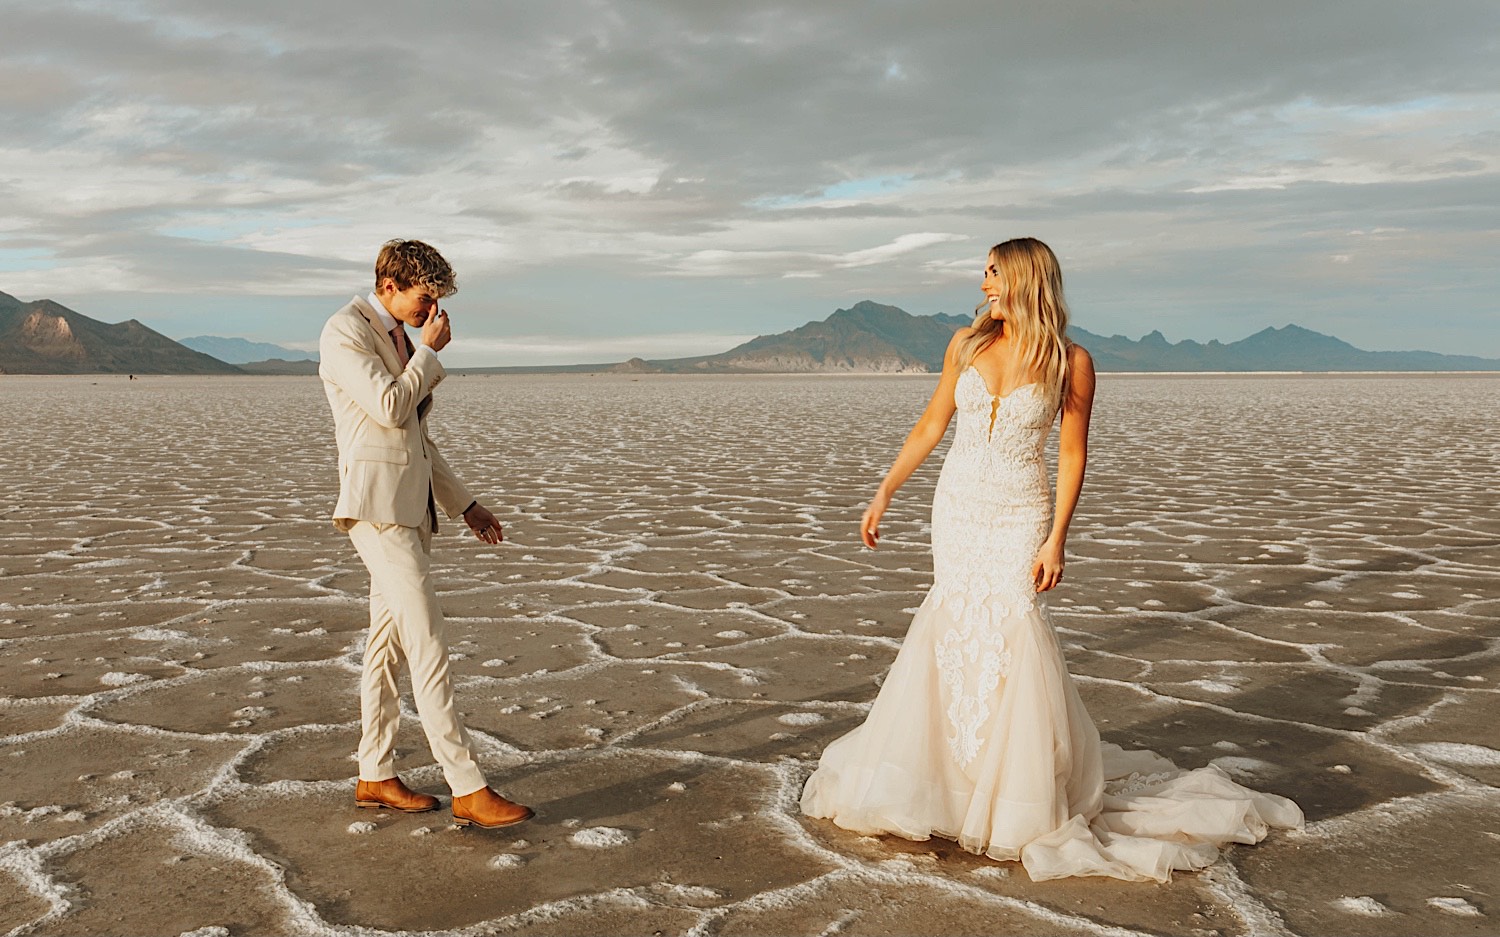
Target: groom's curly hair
[(415, 263)]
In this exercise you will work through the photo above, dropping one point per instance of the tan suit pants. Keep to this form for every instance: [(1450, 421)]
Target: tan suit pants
[(406, 624)]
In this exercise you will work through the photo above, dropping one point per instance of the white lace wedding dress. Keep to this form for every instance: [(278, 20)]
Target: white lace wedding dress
[(978, 734)]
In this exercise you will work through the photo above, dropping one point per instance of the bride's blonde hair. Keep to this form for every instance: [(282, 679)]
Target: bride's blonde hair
[(1035, 311)]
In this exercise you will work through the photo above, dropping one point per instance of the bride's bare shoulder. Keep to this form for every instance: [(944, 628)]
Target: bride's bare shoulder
[(1079, 357), (959, 337), (963, 334), (1080, 377)]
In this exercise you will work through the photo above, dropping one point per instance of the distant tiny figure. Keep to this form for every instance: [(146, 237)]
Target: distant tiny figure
[(978, 733), (392, 479)]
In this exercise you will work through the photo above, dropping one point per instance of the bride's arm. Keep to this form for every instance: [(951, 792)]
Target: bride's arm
[(919, 444), (1072, 458)]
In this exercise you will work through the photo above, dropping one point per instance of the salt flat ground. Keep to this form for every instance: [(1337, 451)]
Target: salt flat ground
[(1292, 577)]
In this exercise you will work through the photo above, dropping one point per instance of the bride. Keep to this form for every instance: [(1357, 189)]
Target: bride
[(978, 734)]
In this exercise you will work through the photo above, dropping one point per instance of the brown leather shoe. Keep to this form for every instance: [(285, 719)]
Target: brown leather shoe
[(394, 795), (485, 808)]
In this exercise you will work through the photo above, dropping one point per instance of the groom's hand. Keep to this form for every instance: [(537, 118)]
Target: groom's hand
[(483, 523), (435, 331)]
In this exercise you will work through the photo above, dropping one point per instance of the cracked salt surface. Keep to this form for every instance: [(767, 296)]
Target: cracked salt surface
[(1311, 604)]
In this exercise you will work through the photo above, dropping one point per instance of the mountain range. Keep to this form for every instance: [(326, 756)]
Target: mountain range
[(244, 351), (44, 337), (870, 337)]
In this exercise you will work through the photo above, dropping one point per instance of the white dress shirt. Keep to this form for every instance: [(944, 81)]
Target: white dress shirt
[(387, 321)]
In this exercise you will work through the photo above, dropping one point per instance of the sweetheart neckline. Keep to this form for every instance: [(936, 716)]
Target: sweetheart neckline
[(985, 384)]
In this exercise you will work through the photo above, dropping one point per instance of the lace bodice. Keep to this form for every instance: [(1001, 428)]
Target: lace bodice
[(999, 440), (990, 513)]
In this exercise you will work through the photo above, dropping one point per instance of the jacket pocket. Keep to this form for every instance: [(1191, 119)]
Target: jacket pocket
[(379, 454)]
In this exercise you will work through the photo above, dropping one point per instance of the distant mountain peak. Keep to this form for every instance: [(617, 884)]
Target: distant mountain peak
[(242, 350), (866, 311), (1297, 338), (866, 306)]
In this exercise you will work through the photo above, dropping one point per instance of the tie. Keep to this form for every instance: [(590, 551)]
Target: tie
[(398, 335)]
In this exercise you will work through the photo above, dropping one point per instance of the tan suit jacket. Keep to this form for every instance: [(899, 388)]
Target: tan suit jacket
[(390, 471)]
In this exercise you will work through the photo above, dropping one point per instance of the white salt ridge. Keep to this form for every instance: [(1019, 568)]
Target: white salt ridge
[(801, 719), (1361, 904), (506, 860), (361, 827), (601, 837), (1458, 906), (160, 634), (105, 564), (116, 678), (10, 810), (1212, 686), (691, 893), (1459, 753)]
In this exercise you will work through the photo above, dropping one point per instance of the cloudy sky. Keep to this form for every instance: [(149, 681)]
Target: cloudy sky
[(668, 177)]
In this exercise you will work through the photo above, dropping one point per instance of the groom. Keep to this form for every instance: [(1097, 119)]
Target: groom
[(391, 482)]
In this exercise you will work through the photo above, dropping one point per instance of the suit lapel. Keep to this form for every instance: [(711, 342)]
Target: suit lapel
[(383, 342)]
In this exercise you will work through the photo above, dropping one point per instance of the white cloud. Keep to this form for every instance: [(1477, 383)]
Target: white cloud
[(904, 244), (794, 264)]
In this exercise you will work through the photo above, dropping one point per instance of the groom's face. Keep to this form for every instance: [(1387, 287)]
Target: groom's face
[(413, 305)]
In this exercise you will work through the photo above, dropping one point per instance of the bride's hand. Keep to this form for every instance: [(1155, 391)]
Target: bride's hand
[(1047, 571), (869, 525)]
